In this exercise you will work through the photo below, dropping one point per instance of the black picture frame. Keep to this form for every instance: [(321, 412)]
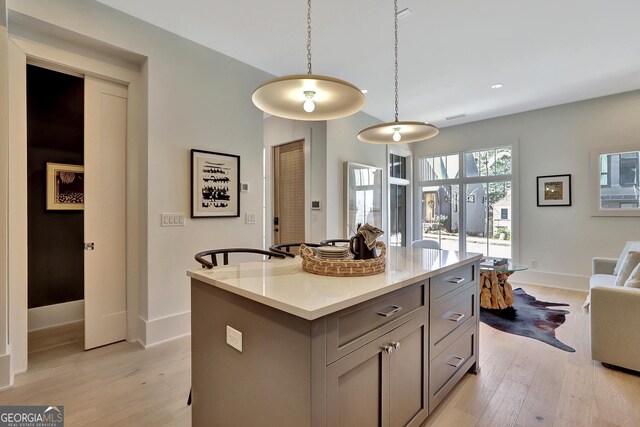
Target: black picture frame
[(553, 190), (215, 184)]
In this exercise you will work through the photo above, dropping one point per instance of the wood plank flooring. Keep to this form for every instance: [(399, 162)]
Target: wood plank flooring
[(523, 382)]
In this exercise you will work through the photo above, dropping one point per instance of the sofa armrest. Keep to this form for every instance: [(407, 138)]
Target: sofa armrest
[(615, 316), (600, 265)]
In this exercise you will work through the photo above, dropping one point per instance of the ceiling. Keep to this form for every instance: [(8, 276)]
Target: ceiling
[(544, 52)]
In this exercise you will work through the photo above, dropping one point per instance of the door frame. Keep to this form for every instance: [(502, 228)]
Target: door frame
[(398, 151), (21, 52)]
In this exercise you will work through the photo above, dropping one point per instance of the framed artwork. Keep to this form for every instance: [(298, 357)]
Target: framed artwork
[(65, 187), (215, 184), (554, 190)]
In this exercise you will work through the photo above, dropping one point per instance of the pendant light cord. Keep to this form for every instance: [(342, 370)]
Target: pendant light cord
[(395, 5), (309, 37)]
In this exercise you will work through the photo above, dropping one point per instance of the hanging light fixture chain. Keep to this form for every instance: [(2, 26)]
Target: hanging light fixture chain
[(309, 37), (395, 5)]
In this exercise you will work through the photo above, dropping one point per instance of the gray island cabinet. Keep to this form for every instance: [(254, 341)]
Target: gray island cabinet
[(318, 351)]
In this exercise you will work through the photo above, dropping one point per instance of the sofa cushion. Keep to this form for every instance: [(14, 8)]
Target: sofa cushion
[(630, 262), (629, 246), (634, 278), (602, 280)]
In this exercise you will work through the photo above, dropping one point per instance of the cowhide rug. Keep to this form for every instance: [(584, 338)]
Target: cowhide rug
[(529, 318)]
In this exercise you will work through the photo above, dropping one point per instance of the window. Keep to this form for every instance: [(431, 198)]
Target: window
[(616, 179), (628, 169), (605, 166), (483, 177), (399, 200)]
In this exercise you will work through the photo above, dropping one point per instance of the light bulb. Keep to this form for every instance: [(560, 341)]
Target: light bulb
[(396, 135), (309, 105)]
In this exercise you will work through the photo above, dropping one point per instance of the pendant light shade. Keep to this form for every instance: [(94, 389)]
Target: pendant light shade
[(397, 131), (308, 96)]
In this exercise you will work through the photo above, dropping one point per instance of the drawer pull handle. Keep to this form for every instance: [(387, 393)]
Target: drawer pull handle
[(388, 349), (456, 280), (394, 309), (456, 317), (457, 365)]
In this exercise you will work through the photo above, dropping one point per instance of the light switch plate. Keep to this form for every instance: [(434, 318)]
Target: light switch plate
[(234, 338), (249, 218), (172, 220)]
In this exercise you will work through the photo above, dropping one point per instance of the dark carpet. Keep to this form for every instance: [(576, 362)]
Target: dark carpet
[(529, 318)]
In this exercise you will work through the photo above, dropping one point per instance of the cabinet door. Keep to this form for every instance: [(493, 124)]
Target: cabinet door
[(357, 387), (408, 370)]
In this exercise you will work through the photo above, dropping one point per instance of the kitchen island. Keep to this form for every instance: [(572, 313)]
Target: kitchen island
[(319, 351)]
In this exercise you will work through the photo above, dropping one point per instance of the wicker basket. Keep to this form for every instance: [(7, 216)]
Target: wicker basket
[(343, 267)]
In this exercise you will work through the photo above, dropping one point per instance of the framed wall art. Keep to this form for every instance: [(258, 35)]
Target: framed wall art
[(215, 184), (554, 190), (65, 187)]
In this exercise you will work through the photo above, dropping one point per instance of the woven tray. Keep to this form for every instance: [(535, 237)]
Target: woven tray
[(343, 267)]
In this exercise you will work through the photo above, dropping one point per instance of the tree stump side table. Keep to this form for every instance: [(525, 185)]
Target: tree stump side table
[(496, 292)]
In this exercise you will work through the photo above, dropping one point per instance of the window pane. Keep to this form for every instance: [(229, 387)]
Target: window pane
[(439, 167), (440, 216), (488, 219), (619, 179), (488, 162), (398, 215)]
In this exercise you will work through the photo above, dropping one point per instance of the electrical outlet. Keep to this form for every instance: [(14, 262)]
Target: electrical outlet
[(534, 263), (234, 338)]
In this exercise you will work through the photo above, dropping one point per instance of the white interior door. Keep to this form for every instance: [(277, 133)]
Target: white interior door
[(105, 122)]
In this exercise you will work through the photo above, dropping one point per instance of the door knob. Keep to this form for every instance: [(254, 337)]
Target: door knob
[(388, 349), (396, 345)]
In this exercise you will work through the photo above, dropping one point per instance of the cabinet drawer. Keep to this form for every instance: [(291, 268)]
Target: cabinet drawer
[(457, 312), (353, 327), (445, 283), (450, 365)]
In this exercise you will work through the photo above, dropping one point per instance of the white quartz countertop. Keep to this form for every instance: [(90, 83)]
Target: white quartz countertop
[(282, 284)]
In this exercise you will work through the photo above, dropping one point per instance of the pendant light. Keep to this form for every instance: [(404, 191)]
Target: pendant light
[(308, 96), (397, 131)]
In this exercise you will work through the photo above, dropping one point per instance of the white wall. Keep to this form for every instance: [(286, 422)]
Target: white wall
[(343, 146), (553, 141), (197, 98), (279, 131)]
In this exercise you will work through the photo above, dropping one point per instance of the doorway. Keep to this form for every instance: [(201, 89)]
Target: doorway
[(288, 194), (76, 140)]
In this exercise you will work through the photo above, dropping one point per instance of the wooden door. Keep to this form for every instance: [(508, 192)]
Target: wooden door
[(357, 387), (289, 186), (408, 371), (105, 212)]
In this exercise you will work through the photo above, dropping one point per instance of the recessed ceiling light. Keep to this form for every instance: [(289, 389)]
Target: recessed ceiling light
[(364, 91), (496, 86), (457, 116)]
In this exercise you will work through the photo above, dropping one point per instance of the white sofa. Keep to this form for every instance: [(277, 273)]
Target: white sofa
[(615, 318)]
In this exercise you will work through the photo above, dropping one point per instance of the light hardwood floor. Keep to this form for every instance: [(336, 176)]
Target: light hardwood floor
[(523, 382)]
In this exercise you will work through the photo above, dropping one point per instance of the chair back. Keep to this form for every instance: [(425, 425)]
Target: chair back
[(425, 244), (225, 255), (285, 248)]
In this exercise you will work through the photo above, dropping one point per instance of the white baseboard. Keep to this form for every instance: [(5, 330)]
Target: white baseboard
[(157, 331), (5, 371), (55, 315), (554, 280)]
